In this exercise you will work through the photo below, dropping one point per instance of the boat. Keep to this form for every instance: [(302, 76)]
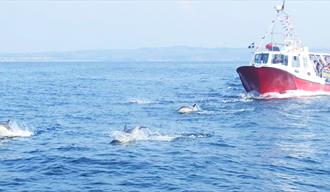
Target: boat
[(281, 63)]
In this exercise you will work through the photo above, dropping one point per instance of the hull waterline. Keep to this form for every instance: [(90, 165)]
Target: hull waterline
[(267, 80)]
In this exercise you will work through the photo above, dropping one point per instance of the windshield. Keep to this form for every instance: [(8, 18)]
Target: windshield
[(280, 59), (261, 58)]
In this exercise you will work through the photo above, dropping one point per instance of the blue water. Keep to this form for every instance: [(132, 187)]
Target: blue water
[(234, 143)]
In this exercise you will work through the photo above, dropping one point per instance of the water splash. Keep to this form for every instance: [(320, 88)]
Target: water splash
[(286, 95), (145, 134), (14, 129), (140, 101), (138, 134)]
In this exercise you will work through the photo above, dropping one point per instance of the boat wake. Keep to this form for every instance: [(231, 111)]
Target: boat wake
[(242, 99), (140, 101), (286, 95), (12, 129), (144, 134)]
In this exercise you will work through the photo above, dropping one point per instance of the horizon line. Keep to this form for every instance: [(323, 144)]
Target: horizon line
[(127, 49), (117, 49)]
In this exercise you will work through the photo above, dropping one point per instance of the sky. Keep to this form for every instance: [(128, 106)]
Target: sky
[(59, 25)]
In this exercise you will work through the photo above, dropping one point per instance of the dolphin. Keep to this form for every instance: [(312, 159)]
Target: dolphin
[(188, 109), (133, 130), (116, 142), (5, 126), (5, 129), (128, 133)]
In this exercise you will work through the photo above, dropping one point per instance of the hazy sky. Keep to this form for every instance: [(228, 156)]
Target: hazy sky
[(79, 25)]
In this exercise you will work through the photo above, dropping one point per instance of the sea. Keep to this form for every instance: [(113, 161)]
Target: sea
[(65, 117)]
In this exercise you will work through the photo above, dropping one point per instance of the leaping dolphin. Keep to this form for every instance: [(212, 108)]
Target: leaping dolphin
[(5, 126), (187, 109), (128, 135), (133, 130)]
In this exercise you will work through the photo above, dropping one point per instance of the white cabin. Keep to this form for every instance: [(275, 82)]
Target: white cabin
[(303, 64)]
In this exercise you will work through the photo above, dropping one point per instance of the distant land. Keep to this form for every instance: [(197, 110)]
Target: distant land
[(163, 54)]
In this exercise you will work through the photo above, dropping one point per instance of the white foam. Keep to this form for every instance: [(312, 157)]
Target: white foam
[(140, 101), (15, 130), (243, 99), (139, 134), (205, 112), (145, 134), (288, 94), (194, 136), (234, 111)]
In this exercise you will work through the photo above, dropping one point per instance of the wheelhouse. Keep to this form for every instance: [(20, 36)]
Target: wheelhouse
[(305, 63), (279, 58)]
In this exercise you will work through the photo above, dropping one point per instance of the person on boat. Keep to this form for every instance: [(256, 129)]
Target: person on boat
[(319, 67), (327, 60), (277, 59), (326, 72)]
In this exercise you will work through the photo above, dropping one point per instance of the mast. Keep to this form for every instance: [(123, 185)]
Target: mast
[(279, 10), (281, 32)]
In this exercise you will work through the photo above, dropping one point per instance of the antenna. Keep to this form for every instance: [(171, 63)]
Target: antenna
[(280, 8)]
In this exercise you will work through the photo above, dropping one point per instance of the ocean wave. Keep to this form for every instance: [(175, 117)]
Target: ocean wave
[(237, 111), (242, 99), (207, 112), (234, 88), (193, 136), (14, 129), (233, 84)]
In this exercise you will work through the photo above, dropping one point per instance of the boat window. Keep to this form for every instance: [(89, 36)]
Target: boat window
[(327, 59), (295, 61), (261, 58), (280, 59), (315, 58), (312, 57)]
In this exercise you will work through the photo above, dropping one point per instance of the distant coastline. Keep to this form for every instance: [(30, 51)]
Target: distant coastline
[(162, 54)]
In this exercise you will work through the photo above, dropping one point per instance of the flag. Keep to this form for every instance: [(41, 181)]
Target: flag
[(269, 46), (251, 46)]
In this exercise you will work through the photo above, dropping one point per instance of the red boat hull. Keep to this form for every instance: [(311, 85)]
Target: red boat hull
[(268, 79)]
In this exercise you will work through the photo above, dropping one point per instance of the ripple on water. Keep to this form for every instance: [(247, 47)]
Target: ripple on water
[(236, 142)]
